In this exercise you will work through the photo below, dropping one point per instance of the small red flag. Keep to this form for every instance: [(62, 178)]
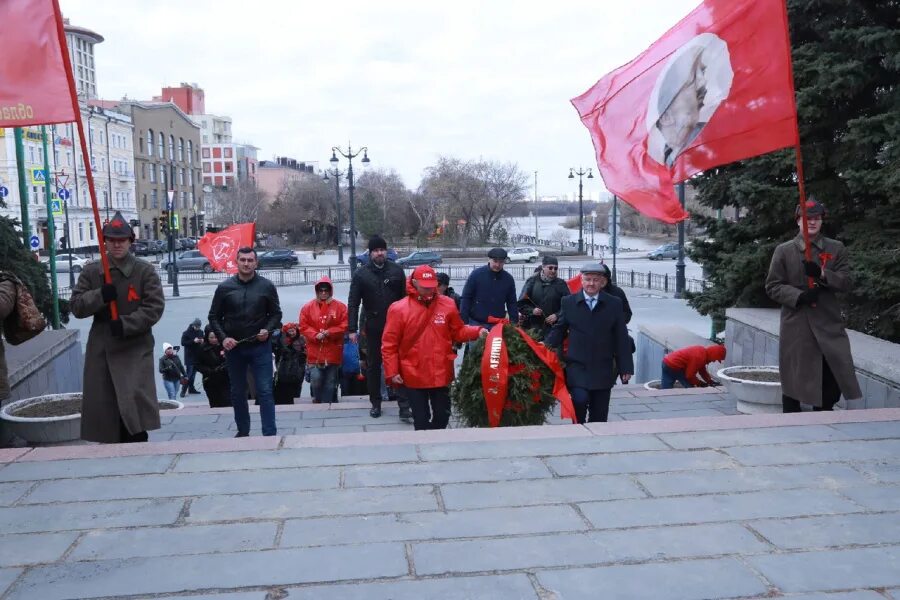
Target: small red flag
[(221, 247), (34, 87), (714, 89)]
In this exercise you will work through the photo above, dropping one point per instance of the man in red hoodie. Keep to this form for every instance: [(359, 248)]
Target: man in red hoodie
[(323, 322), (417, 348), (686, 364)]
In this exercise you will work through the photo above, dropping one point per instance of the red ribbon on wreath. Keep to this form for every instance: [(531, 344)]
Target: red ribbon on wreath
[(495, 373)]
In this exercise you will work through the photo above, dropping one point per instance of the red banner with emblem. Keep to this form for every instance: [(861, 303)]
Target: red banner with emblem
[(714, 89), (34, 85), (221, 247)]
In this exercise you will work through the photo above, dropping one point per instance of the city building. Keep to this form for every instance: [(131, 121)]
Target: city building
[(81, 51), (166, 145), (272, 175), (247, 163)]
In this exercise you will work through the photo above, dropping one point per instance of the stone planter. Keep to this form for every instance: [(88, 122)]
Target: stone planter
[(53, 429), (753, 396), (43, 430), (653, 384)]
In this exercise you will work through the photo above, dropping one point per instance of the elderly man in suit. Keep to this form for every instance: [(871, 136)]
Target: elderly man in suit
[(598, 350)]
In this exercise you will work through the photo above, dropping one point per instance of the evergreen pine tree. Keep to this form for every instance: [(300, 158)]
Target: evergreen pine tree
[(846, 69)]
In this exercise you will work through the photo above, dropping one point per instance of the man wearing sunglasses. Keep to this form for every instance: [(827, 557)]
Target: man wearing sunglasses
[(542, 296)]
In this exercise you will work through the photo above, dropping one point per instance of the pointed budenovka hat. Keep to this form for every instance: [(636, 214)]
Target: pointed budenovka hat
[(118, 228)]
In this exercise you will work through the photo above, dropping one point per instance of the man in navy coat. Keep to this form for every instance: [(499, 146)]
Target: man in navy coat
[(598, 350), (489, 292)]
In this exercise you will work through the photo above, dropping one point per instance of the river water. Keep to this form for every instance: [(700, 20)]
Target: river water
[(548, 225)]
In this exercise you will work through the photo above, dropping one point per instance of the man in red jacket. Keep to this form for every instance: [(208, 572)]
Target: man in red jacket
[(323, 322), (417, 348), (686, 364)]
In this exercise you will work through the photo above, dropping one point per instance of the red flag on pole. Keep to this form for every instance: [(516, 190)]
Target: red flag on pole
[(716, 88), (221, 247), (34, 87)]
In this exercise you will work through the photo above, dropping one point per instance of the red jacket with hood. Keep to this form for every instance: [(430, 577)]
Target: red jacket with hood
[(330, 317), (693, 360), (418, 339)]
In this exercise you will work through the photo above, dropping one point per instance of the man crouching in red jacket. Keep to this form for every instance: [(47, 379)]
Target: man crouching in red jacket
[(417, 347)]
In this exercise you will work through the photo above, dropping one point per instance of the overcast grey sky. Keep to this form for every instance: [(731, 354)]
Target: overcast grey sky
[(410, 80)]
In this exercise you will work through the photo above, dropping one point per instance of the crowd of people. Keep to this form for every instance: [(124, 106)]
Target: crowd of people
[(397, 336)]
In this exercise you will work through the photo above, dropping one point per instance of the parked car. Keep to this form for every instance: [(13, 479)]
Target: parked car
[(420, 257), (186, 243), (190, 260), (522, 254), (62, 263), (669, 250), (284, 258), (363, 257), (141, 248)]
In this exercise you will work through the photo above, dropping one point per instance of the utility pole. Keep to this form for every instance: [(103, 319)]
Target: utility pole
[(51, 230), (535, 209), (23, 186), (679, 266)]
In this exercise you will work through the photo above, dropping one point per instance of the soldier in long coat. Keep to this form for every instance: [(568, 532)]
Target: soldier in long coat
[(814, 351), (120, 403)]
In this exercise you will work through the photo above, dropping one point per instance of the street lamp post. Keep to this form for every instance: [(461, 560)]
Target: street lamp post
[(350, 155), (593, 227), (581, 173), (337, 200)]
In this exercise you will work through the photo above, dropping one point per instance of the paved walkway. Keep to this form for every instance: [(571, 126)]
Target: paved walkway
[(702, 507), (351, 415)]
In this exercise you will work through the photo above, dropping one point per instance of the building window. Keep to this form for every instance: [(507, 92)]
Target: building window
[(161, 145), (102, 138), (217, 167), (162, 174), (217, 153), (207, 168), (149, 142), (229, 167), (220, 181), (180, 176), (204, 152), (154, 199), (180, 149), (91, 229), (152, 173), (80, 231), (227, 152), (190, 152), (207, 181), (184, 203), (144, 202), (171, 147)]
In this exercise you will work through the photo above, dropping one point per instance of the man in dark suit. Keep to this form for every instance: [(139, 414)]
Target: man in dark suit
[(598, 349)]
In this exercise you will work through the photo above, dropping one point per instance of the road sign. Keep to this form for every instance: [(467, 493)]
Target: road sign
[(56, 208), (35, 242), (63, 194), (170, 204), (38, 177), (4, 191), (175, 222)]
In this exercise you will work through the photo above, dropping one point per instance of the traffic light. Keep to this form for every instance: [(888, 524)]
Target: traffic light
[(164, 222)]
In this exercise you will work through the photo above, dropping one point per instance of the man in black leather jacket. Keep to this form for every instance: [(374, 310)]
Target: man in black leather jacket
[(378, 284), (245, 311)]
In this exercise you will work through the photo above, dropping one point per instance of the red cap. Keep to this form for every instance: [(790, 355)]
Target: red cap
[(425, 276)]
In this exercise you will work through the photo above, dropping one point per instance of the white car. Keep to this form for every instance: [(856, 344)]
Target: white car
[(522, 255), (62, 263)]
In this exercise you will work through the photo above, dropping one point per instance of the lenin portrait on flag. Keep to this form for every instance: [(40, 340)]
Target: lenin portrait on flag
[(693, 83)]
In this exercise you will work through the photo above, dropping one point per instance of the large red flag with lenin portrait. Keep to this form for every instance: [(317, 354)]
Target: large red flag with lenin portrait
[(34, 84), (716, 88), (221, 247)]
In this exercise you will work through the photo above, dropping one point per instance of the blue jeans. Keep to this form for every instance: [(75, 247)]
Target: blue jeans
[(323, 383), (670, 376), (258, 358), (171, 388)]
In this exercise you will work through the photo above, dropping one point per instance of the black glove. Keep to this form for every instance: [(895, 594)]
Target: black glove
[(808, 297), (117, 328), (812, 269), (108, 292)]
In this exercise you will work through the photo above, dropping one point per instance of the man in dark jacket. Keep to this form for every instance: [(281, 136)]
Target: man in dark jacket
[(598, 348), (191, 341), (544, 292), (489, 292), (444, 288), (377, 284), (244, 312)]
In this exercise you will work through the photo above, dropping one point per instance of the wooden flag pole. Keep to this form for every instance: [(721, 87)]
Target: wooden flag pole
[(104, 259)]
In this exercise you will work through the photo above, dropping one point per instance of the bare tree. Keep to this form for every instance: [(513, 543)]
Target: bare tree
[(383, 204), (304, 208), (238, 204)]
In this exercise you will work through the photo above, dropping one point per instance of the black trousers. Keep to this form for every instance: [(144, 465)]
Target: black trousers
[(430, 406), (831, 393), (591, 406), (374, 332)]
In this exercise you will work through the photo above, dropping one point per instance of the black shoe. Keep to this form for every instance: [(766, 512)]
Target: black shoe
[(375, 413), (239, 434), (405, 415), (194, 392), (183, 392)]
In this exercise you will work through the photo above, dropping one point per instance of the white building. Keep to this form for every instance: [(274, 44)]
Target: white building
[(81, 50)]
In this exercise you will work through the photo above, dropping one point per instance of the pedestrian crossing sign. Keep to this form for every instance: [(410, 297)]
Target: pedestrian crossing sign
[(56, 208), (38, 177)]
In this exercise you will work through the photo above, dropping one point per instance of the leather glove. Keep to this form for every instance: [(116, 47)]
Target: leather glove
[(117, 328), (812, 269), (808, 297), (108, 292)]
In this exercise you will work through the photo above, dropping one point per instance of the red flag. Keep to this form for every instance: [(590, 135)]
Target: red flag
[(715, 88), (221, 247), (34, 86)]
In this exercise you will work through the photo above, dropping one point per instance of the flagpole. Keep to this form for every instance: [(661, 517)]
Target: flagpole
[(51, 231), (807, 251), (104, 259)]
